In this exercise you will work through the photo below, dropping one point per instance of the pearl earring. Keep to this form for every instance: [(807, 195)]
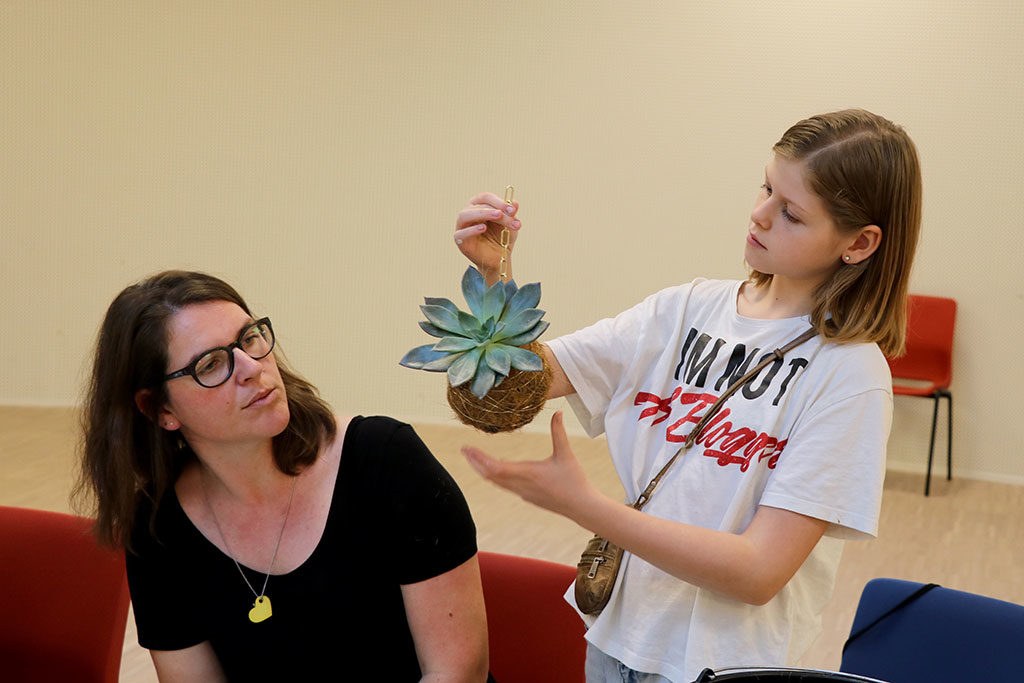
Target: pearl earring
[(847, 258)]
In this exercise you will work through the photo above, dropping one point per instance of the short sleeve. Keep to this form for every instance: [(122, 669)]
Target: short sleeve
[(168, 610), (431, 522), (833, 465), (598, 358)]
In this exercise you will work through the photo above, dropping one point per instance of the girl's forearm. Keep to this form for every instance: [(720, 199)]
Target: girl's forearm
[(750, 567)]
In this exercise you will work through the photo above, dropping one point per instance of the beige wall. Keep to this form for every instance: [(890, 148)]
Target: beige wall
[(315, 154)]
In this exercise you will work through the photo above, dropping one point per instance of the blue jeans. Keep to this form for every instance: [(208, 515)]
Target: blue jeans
[(601, 668)]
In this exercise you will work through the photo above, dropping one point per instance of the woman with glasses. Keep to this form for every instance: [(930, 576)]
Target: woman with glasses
[(265, 537)]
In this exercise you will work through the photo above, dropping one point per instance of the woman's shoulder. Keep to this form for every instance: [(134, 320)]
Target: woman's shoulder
[(385, 457), (378, 441), (360, 430), (156, 533)]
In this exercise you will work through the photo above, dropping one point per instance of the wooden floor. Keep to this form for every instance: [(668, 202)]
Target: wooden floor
[(967, 535)]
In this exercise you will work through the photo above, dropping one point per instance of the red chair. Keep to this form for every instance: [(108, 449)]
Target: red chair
[(64, 600), (929, 363), (534, 636)]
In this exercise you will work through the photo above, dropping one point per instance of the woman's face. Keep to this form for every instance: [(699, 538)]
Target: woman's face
[(248, 409)]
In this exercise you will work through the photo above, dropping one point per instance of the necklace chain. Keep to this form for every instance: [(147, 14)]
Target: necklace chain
[(224, 539)]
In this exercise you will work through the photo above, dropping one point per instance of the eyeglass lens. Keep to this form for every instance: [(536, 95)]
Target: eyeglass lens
[(215, 367)]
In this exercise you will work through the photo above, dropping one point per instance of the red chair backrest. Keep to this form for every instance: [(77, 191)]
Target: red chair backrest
[(533, 634), (64, 600), (929, 353)]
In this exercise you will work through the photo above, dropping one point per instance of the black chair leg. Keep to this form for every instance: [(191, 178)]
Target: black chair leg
[(931, 446), (949, 437)]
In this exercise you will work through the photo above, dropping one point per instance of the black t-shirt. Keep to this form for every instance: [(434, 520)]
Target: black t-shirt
[(397, 517)]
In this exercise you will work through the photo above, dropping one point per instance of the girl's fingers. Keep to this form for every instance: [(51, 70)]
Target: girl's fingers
[(508, 475), (471, 231), (480, 461), (479, 228), (477, 214), (472, 215), (494, 201), (559, 439)]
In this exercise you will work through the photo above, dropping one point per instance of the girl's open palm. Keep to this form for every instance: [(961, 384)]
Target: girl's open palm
[(557, 483)]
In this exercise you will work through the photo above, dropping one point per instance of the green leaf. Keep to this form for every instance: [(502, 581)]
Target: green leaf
[(528, 336), (483, 381), (510, 289), (494, 301), (442, 302), (433, 331), (473, 287), (451, 344), (442, 364), (528, 296), (525, 360), (463, 370), (521, 323), (420, 356), (442, 318), (470, 326), (497, 359)]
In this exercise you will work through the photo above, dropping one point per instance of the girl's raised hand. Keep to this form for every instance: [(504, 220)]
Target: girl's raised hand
[(557, 483), (478, 230)]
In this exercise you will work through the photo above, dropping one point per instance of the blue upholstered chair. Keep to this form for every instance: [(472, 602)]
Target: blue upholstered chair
[(904, 632)]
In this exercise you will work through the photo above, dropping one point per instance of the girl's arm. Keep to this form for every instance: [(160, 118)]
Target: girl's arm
[(560, 384), (751, 566), (196, 663), (448, 624)]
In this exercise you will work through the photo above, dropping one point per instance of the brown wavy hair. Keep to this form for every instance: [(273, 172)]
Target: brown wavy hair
[(866, 170), (128, 463)]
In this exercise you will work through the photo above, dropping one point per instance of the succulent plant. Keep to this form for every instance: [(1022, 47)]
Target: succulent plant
[(483, 346)]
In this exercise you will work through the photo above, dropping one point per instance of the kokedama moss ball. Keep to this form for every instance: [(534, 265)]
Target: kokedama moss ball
[(508, 406)]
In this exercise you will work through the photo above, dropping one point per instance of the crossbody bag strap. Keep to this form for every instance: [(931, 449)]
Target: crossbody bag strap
[(775, 355)]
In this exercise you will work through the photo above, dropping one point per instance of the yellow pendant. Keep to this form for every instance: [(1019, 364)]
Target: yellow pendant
[(260, 610)]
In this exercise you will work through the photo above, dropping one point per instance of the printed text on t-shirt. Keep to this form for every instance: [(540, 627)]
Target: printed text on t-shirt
[(694, 365), (728, 444), (720, 440)]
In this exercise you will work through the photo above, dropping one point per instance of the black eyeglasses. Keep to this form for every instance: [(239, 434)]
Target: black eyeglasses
[(214, 367)]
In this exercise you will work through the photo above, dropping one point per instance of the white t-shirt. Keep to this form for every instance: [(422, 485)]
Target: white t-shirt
[(808, 434)]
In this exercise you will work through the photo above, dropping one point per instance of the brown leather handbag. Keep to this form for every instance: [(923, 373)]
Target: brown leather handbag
[(601, 559)]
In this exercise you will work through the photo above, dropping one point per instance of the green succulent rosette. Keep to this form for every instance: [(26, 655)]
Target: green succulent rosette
[(481, 347)]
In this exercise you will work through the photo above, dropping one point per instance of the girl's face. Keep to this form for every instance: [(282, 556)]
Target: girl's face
[(249, 408), (791, 233)]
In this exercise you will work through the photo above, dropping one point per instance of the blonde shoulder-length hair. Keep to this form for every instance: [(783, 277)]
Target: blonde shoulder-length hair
[(865, 169)]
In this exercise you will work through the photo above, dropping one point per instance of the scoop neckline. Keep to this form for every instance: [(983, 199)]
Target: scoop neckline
[(323, 533)]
